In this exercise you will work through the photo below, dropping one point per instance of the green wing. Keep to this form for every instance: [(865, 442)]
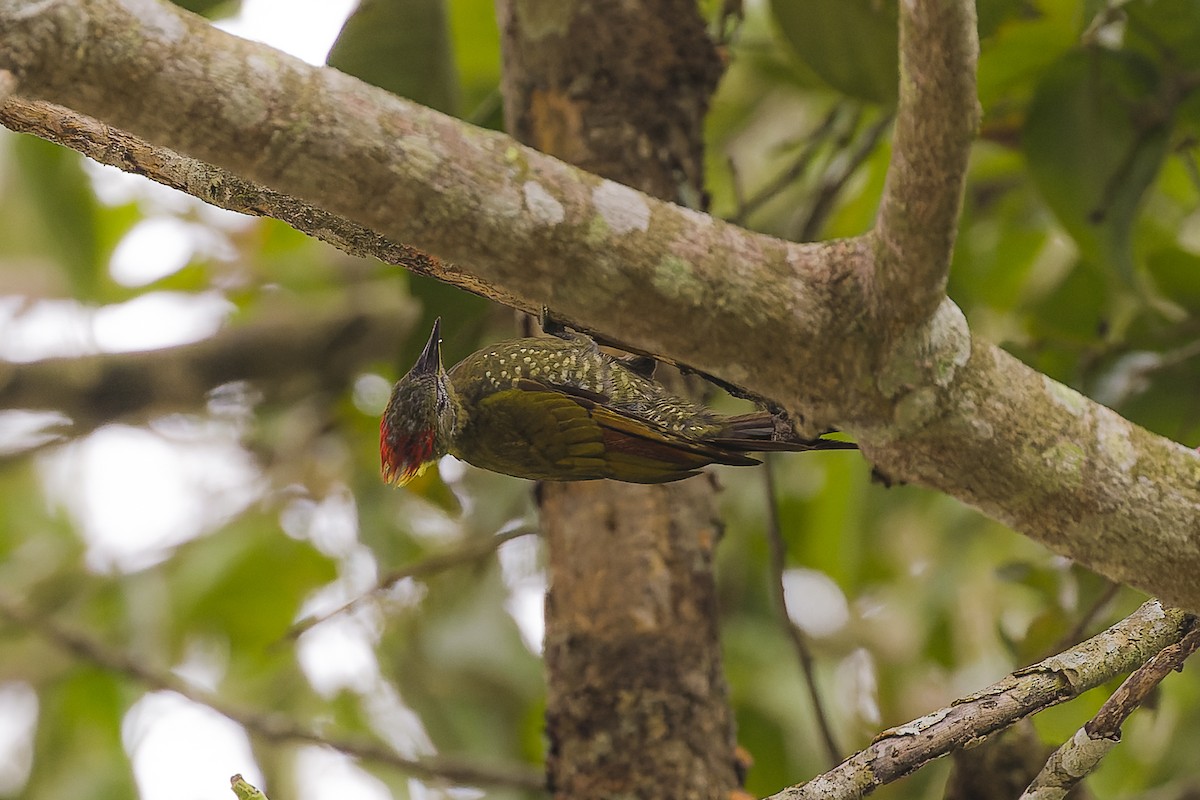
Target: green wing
[(534, 431)]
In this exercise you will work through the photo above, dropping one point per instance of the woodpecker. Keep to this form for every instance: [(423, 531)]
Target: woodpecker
[(561, 409)]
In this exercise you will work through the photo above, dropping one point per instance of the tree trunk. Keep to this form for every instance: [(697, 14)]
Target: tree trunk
[(637, 701)]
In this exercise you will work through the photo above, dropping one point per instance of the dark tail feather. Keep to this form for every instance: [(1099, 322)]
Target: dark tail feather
[(763, 432)]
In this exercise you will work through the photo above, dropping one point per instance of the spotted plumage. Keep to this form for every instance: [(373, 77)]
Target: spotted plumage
[(559, 408)]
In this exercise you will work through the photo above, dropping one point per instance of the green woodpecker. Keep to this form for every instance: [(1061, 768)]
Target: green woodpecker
[(560, 409)]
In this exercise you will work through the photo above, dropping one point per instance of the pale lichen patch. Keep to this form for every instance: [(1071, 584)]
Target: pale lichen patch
[(676, 279), (1113, 438), (916, 409), (542, 205), (166, 25), (1067, 461), (621, 207), (422, 157), (695, 217), (542, 18), (929, 354), (1065, 396)]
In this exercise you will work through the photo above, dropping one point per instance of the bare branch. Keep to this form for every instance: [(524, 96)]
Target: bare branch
[(900, 751), (936, 122), (271, 726), (96, 389), (1083, 752)]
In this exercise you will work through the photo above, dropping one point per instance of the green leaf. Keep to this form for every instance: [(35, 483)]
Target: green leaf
[(1077, 309), (1015, 52), (402, 46), (77, 747), (1095, 142), (851, 44), (992, 14)]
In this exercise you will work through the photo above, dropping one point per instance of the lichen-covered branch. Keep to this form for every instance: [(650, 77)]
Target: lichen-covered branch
[(548, 234), (271, 726), (936, 122), (1047, 461), (902, 750), (784, 321), (1083, 752)]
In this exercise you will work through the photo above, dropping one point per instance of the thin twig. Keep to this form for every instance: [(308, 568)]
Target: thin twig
[(901, 751), (1083, 752), (832, 186), (783, 180), (799, 639), (467, 553), (271, 726)]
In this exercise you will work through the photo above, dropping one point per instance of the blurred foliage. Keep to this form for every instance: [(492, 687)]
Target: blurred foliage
[(1079, 251)]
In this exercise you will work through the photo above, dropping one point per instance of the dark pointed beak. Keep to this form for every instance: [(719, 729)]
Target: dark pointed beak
[(431, 357)]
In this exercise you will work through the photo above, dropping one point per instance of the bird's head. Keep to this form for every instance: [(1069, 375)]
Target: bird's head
[(421, 416)]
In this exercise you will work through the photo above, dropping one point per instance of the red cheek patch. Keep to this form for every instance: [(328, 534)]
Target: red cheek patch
[(403, 458)]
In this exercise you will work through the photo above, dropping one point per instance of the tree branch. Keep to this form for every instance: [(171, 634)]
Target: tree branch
[(900, 751), (273, 727), (96, 389), (936, 121), (1080, 755), (413, 175), (780, 320)]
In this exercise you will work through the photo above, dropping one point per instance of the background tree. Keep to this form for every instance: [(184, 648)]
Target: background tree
[(909, 599)]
